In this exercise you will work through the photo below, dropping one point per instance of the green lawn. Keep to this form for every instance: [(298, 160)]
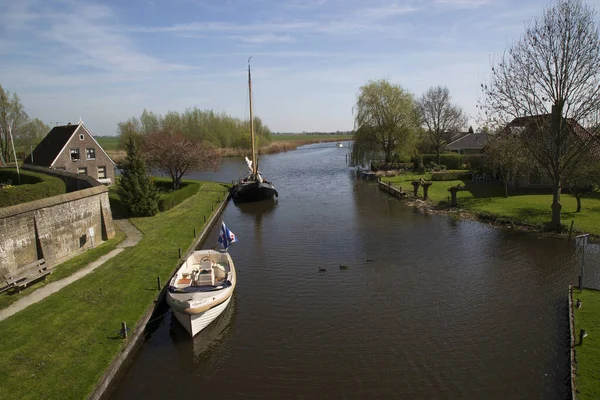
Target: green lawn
[(60, 347), (289, 136), (65, 269), (532, 209), (108, 143), (587, 377)]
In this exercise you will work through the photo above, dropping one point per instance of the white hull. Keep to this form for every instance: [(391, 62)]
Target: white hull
[(196, 322), (201, 289)]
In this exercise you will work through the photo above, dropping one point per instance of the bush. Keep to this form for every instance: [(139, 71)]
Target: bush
[(451, 176), (171, 199), (452, 160), (34, 186)]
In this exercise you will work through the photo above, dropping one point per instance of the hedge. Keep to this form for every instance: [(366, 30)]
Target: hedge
[(450, 176), (33, 186), (171, 199), (453, 160)]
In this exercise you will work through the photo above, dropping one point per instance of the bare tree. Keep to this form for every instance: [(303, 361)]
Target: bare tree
[(584, 177), (12, 118), (440, 116), (385, 120), (548, 81), (177, 155)]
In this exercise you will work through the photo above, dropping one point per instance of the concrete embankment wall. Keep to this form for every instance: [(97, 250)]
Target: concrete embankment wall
[(56, 228)]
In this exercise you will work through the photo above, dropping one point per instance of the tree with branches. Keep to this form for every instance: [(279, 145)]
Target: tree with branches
[(440, 116), (584, 177), (176, 155), (549, 81), (385, 120), (504, 154), (14, 121)]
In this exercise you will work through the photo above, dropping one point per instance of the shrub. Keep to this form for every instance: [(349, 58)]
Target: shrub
[(171, 199), (451, 176), (452, 160), (34, 186)]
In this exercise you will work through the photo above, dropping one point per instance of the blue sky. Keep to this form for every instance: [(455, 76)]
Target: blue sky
[(107, 61)]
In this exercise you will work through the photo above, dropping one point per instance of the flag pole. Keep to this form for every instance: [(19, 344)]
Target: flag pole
[(14, 152)]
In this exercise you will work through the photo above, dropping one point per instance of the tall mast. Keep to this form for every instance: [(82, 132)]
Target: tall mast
[(254, 166)]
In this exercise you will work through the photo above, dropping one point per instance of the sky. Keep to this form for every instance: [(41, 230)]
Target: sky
[(107, 61)]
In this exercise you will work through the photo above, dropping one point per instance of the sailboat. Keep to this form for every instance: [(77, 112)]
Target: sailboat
[(253, 187)]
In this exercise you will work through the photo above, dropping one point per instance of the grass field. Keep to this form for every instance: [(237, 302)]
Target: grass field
[(60, 347), (587, 378), (108, 143), (489, 198)]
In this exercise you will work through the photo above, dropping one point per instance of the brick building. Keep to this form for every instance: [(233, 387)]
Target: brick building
[(72, 148)]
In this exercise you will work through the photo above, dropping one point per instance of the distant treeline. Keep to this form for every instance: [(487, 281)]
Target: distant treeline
[(339, 133), (219, 129)]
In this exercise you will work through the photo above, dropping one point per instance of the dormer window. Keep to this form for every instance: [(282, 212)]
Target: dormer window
[(75, 155), (91, 153), (81, 137)]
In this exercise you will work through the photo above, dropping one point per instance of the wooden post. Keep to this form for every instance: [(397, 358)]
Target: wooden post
[(212, 207), (194, 232), (205, 219), (124, 329), (571, 230), (179, 252), (158, 281)]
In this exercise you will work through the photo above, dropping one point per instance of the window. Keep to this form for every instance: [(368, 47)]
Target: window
[(101, 172), (81, 137), (82, 171), (75, 155), (91, 153)]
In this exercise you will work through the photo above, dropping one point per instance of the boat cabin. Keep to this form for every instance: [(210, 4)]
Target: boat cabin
[(201, 270)]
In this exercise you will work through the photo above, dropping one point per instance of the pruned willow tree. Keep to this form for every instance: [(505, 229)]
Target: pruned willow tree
[(440, 117), (385, 121), (546, 83)]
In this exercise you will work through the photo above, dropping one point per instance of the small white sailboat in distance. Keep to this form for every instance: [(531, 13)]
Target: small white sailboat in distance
[(202, 287)]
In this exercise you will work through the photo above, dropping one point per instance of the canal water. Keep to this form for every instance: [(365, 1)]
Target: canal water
[(446, 309)]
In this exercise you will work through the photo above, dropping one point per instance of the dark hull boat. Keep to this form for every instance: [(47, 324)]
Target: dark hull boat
[(252, 188)]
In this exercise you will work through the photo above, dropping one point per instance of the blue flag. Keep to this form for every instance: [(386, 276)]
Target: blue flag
[(226, 237)]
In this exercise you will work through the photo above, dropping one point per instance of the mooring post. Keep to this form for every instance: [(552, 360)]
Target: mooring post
[(212, 207), (582, 334), (179, 252), (571, 230), (205, 219), (124, 329), (194, 232), (158, 281), (580, 283)]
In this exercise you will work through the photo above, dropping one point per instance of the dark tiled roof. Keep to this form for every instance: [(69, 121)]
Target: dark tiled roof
[(469, 141), (49, 148), (532, 121)]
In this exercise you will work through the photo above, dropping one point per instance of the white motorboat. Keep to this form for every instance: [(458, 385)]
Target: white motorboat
[(201, 289), (339, 144)]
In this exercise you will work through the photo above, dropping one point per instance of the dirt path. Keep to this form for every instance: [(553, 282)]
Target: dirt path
[(133, 237)]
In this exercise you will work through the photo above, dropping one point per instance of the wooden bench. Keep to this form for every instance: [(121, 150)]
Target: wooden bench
[(24, 276)]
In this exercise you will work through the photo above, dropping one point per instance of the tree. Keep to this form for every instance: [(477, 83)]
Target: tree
[(32, 134), (505, 154), (13, 119), (136, 190), (385, 120), (440, 116), (583, 177), (177, 155), (551, 75)]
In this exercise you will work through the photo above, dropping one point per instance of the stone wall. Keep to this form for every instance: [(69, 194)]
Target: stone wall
[(56, 228)]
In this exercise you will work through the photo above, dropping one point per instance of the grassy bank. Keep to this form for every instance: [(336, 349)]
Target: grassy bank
[(60, 347), (65, 269), (524, 208), (587, 377)]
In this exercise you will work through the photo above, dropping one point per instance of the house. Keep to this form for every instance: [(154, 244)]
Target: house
[(471, 143), (72, 148), (529, 125)]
